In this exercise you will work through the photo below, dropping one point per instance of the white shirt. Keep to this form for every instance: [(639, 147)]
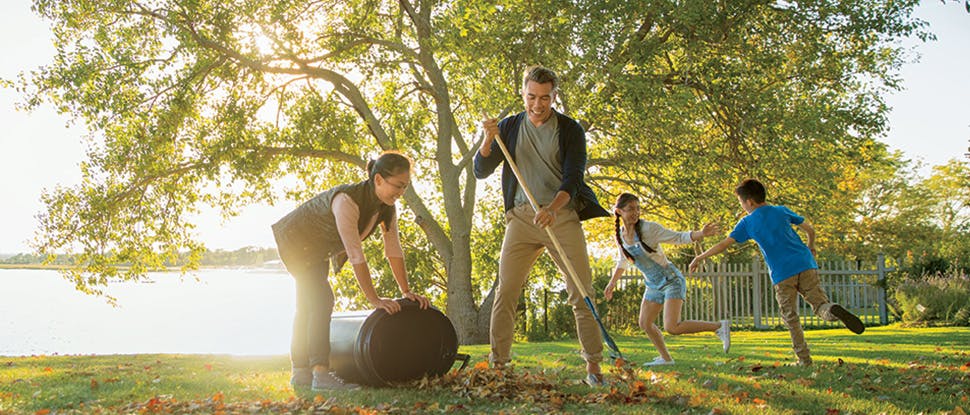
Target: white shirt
[(653, 235)]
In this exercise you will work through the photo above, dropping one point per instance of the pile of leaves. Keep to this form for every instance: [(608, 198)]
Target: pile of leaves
[(483, 382), (543, 389)]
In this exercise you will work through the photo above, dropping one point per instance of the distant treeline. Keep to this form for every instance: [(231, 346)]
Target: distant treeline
[(244, 257)]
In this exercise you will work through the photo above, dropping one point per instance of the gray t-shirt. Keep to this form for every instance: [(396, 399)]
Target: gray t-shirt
[(537, 155)]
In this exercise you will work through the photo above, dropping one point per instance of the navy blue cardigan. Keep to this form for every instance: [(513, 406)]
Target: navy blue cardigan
[(572, 155)]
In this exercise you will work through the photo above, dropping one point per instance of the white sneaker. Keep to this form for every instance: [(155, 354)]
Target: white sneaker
[(724, 333), (659, 361)]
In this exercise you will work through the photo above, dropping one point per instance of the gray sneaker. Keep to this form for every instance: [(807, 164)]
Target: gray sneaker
[(594, 380), (330, 382), (301, 377), (724, 333)]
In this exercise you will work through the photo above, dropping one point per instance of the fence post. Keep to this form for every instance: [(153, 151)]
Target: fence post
[(881, 268), (756, 284)]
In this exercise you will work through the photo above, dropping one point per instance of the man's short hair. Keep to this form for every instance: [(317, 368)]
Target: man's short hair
[(540, 75), (751, 189)]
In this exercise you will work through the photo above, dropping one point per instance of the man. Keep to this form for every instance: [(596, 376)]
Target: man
[(550, 150)]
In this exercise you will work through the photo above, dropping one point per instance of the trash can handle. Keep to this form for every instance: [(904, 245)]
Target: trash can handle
[(464, 357)]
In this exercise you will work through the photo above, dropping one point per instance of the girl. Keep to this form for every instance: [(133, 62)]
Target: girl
[(639, 242), (330, 227)]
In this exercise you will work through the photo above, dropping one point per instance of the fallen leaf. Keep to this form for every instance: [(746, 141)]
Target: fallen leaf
[(695, 401)]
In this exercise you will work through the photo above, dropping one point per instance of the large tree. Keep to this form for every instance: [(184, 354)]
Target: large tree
[(227, 103)]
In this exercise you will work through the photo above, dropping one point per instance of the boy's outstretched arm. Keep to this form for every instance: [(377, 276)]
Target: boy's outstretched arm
[(714, 250)]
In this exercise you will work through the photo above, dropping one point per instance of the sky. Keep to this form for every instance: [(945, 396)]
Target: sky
[(929, 122)]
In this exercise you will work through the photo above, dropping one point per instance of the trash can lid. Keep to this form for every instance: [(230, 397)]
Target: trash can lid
[(410, 344)]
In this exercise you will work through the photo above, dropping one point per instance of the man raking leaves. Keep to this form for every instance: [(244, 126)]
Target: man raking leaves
[(544, 204)]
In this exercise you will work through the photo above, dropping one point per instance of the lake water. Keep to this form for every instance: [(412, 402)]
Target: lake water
[(225, 311)]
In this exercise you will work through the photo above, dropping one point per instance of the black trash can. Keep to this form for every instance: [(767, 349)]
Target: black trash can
[(376, 348)]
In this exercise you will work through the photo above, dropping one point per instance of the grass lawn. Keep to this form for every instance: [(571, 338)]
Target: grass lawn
[(892, 370)]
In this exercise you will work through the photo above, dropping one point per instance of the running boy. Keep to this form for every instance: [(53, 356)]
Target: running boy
[(791, 263)]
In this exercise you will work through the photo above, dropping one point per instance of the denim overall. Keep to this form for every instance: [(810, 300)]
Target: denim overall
[(661, 281)]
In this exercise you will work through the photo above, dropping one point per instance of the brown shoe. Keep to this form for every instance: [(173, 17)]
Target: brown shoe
[(850, 320)]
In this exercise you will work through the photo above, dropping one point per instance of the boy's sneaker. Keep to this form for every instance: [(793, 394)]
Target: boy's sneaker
[(301, 377), (594, 380), (659, 361), (327, 381), (850, 320), (724, 333)]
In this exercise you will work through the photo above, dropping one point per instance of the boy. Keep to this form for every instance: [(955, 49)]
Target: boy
[(791, 263)]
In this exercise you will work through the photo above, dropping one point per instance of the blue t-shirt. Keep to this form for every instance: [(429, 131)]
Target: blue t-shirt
[(771, 227)]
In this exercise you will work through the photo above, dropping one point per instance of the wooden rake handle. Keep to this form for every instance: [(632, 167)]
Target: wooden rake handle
[(535, 207)]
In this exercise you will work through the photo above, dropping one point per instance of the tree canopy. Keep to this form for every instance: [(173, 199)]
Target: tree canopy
[(228, 103)]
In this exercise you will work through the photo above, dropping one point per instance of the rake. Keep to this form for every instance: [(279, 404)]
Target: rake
[(614, 349)]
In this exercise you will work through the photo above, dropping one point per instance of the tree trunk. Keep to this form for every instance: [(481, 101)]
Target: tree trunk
[(485, 314), (460, 306)]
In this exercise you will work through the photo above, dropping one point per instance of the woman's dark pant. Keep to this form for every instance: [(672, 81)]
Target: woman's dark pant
[(311, 324), (310, 345)]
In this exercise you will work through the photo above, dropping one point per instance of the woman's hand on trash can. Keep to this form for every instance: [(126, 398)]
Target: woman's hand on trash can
[(388, 304), (420, 299)]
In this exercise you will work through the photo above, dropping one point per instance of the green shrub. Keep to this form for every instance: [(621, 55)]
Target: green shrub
[(554, 323), (934, 300)]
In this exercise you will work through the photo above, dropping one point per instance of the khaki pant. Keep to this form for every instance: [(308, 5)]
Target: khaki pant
[(808, 285), (522, 246)]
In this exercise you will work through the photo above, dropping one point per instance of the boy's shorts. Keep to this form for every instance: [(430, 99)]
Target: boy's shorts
[(672, 289)]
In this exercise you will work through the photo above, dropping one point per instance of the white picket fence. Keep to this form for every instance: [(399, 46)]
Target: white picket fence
[(744, 293)]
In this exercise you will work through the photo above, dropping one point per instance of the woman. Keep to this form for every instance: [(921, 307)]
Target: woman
[(639, 242), (330, 227)]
